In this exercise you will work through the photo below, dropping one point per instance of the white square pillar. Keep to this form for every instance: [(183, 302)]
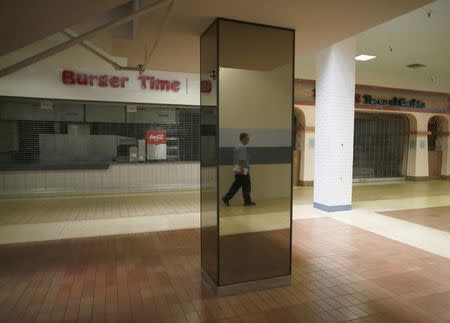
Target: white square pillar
[(335, 111)]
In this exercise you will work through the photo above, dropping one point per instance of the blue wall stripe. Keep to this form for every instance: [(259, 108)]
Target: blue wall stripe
[(229, 137), (259, 155)]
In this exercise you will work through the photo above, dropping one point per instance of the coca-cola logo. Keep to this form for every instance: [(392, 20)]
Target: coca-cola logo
[(156, 137)]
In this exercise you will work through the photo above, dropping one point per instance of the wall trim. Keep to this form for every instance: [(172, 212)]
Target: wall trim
[(307, 129), (420, 133), (375, 87), (418, 178), (112, 190), (306, 183), (373, 108), (332, 208)]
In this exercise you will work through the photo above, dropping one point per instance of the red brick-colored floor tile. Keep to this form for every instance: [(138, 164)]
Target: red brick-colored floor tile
[(340, 273)]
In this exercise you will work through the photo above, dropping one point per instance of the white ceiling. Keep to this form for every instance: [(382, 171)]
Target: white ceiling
[(414, 38), (318, 23)]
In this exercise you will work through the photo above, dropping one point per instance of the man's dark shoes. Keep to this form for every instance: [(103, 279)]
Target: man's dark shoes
[(250, 204), (225, 201)]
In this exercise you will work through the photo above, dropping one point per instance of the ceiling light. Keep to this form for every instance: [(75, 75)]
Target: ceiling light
[(364, 57)]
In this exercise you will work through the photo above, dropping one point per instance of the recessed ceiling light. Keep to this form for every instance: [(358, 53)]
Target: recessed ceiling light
[(364, 57)]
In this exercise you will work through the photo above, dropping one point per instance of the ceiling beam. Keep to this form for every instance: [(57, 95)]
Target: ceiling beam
[(77, 40), (27, 21)]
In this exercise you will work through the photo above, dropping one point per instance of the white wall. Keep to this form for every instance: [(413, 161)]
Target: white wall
[(118, 178)]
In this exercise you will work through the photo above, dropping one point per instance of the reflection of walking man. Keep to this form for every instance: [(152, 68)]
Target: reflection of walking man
[(241, 170)]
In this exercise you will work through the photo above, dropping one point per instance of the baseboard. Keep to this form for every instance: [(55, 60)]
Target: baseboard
[(418, 178), (446, 177), (62, 192), (246, 287), (306, 183), (332, 208)]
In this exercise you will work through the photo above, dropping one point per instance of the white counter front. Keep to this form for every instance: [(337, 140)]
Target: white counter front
[(117, 178)]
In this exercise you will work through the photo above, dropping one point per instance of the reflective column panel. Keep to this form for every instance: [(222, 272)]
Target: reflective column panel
[(252, 92), (208, 154)]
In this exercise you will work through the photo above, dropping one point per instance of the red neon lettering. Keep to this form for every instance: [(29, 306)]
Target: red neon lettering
[(91, 79), (123, 80), (103, 81), (152, 82), (175, 86), (143, 79), (114, 81), (163, 85), (82, 79), (68, 77), (205, 86)]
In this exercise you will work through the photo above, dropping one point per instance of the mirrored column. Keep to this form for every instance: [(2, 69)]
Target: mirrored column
[(208, 154), (255, 76)]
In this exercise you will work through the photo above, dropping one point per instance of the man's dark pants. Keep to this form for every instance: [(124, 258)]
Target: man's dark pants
[(240, 180)]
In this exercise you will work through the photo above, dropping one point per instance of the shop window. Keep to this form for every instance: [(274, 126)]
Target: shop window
[(60, 134)]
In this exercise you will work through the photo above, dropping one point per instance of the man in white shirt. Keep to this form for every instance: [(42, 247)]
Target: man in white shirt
[(241, 170)]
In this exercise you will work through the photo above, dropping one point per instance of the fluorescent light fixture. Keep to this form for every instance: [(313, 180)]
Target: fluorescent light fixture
[(364, 57)]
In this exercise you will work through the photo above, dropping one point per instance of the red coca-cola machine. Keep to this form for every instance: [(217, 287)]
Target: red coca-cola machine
[(156, 141)]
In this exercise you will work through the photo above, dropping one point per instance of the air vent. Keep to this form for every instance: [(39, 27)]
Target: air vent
[(415, 66)]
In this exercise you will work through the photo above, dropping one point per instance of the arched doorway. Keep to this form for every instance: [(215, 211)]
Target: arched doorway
[(437, 145)]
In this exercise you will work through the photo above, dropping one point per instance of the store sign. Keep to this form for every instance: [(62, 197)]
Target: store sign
[(381, 98), (394, 102), (139, 82), (136, 82)]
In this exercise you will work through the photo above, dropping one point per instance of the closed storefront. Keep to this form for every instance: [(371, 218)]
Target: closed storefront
[(60, 134), (75, 125), (380, 146), (398, 133)]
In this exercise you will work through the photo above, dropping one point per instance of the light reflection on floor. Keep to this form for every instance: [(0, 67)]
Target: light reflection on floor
[(47, 218)]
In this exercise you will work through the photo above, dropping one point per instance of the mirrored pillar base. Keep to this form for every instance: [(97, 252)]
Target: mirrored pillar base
[(253, 286)]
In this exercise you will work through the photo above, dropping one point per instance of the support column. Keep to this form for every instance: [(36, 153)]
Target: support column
[(305, 117), (418, 152), (445, 171), (251, 69), (335, 109), (307, 158)]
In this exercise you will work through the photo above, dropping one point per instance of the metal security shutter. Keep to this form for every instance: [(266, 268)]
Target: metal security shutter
[(59, 134), (380, 146)]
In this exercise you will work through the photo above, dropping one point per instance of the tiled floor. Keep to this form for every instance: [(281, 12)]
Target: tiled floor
[(49, 218), (433, 217), (340, 273), (96, 207), (33, 210)]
